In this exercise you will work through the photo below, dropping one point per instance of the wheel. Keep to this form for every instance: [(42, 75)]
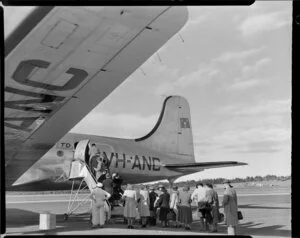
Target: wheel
[(66, 216)]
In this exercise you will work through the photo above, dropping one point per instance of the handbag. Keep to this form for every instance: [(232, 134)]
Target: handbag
[(171, 216), (240, 215), (202, 205)]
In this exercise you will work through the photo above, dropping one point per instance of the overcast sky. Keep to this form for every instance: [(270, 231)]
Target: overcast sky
[(233, 65)]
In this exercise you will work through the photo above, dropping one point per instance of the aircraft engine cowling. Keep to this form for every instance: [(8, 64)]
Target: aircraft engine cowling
[(82, 151)]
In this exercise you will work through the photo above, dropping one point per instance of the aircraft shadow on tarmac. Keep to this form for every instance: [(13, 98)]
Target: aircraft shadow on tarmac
[(249, 228), (254, 206)]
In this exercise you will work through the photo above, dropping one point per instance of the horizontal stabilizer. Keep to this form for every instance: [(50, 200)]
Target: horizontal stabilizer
[(202, 166)]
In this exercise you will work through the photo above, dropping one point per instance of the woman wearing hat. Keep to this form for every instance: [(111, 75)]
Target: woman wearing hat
[(98, 197), (185, 215), (230, 208), (130, 197), (164, 204), (152, 198)]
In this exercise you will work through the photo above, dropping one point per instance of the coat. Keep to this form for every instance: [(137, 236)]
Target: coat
[(174, 200), (152, 197), (144, 203), (108, 185), (230, 207), (164, 200)]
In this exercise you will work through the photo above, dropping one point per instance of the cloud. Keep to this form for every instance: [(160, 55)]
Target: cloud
[(205, 72), (257, 66), (202, 75), (265, 22), (121, 125), (242, 85), (253, 140), (238, 55), (262, 107)]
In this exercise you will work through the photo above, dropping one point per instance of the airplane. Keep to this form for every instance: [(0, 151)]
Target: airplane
[(61, 62)]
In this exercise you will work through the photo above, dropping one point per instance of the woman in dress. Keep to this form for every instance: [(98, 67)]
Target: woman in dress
[(185, 215), (144, 205), (130, 205)]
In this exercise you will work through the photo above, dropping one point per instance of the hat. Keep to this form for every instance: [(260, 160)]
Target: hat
[(161, 187), (185, 188), (99, 185), (226, 181)]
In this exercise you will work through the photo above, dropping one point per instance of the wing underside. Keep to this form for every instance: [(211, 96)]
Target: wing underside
[(66, 64)]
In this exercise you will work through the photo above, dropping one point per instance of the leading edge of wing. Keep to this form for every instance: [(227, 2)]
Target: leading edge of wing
[(203, 165)]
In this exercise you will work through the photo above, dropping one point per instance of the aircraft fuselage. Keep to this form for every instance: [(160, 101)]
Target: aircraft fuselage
[(135, 163)]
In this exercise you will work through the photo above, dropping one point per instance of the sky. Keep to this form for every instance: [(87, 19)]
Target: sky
[(233, 65)]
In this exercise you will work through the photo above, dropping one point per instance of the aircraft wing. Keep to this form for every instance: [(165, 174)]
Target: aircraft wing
[(61, 62), (196, 167)]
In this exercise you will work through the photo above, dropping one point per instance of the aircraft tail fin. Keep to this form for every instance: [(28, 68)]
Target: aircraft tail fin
[(172, 133)]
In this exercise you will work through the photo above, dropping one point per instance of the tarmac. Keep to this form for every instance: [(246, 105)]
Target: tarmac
[(267, 213)]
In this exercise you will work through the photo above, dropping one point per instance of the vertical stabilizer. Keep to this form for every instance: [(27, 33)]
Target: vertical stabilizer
[(172, 133)]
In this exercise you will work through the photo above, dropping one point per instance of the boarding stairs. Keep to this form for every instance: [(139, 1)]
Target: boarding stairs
[(80, 173)]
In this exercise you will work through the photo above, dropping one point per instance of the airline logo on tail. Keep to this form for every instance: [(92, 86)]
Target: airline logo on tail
[(184, 123)]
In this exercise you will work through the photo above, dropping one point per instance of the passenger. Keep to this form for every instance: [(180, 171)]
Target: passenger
[(93, 164), (152, 197), (230, 208), (199, 196), (107, 210), (174, 199), (108, 185), (98, 170), (214, 208), (185, 200), (92, 151), (138, 215), (164, 204), (98, 196), (144, 205), (130, 197), (117, 183), (209, 193)]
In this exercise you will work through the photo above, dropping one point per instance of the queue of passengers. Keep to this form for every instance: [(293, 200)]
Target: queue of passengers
[(171, 209)]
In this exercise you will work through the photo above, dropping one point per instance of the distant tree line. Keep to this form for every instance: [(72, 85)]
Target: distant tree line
[(192, 183)]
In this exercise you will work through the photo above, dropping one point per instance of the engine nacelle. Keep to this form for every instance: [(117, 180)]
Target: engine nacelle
[(82, 151)]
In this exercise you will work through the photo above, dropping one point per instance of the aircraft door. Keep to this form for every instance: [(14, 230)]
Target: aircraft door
[(82, 150)]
